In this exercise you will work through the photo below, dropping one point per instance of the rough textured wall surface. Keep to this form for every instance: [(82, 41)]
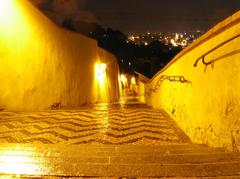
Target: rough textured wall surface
[(205, 101), (42, 64)]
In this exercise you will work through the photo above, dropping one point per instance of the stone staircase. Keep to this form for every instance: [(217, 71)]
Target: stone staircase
[(121, 161), (127, 140)]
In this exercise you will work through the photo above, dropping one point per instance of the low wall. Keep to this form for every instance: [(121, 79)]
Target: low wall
[(42, 64), (204, 99)]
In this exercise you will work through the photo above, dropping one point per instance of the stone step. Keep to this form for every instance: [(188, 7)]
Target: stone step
[(217, 177), (144, 170), (55, 177), (128, 154), (128, 160), (164, 148), (113, 150), (160, 170), (175, 159), (116, 154), (134, 159), (86, 152)]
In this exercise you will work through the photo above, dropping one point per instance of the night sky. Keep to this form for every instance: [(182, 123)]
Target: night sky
[(145, 15)]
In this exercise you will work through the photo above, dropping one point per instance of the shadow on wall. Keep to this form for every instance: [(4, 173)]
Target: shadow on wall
[(43, 66), (208, 111)]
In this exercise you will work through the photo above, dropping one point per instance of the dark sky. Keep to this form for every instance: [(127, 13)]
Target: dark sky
[(147, 15)]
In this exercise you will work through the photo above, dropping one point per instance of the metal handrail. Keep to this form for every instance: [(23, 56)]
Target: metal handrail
[(202, 57), (180, 79)]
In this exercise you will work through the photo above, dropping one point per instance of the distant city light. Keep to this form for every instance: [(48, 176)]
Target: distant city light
[(132, 38), (176, 36), (173, 43), (173, 39)]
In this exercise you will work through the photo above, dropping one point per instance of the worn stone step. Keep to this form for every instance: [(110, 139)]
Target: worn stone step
[(66, 177), (143, 150), (102, 147), (145, 170), (164, 148), (158, 170), (130, 177), (86, 152), (122, 159), (175, 159), (217, 177), (160, 147)]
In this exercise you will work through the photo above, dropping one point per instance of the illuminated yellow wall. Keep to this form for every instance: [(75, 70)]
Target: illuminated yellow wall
[(141, 92), (41, 64), (106, 84), (207, 108)]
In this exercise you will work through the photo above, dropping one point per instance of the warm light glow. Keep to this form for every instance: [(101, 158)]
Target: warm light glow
[(6, 8), (133, 81), (101, 82), (14, 23), (132, 38), (10, 18), (173, 43), (17, 161), (176, 36), (100, 71), (123, 79), (184, 43)]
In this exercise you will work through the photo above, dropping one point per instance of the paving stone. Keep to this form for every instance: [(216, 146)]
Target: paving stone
[(118, 126)]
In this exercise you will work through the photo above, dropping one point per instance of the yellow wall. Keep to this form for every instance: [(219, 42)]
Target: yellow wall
[(141, 92), (207, 107), (108, 89), (41, 64)]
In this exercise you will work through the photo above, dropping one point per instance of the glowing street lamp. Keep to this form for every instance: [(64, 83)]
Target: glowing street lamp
[(10, 14), (123, 79), (133, 81), (6, 7), (100, 71)]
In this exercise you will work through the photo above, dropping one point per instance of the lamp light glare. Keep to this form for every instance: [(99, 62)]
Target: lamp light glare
[(100, 71), (123, 78)]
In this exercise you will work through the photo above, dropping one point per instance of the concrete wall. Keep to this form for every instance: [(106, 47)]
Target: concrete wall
[(206, 102), (41, 64)]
